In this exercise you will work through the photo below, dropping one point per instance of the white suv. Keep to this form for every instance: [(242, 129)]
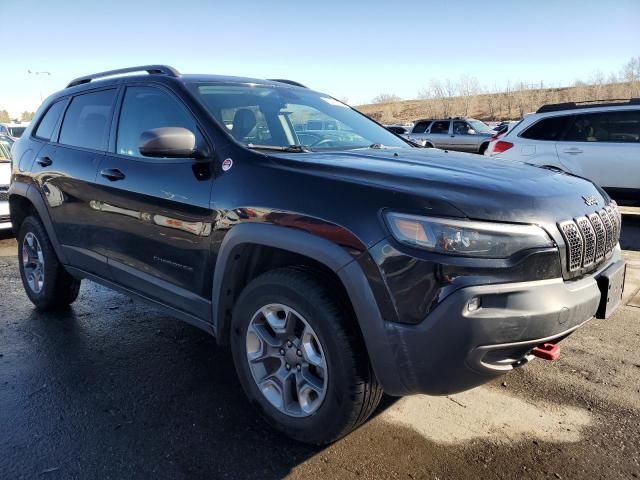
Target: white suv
[(599, 141)]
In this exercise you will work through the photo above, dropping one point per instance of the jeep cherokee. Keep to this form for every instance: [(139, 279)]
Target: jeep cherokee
[(334, 258)]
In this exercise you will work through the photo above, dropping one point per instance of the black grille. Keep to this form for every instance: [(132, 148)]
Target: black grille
[(590, 239), (4, 196)]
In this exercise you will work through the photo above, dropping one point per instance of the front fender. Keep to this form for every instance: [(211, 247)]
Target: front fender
[(331, 255)]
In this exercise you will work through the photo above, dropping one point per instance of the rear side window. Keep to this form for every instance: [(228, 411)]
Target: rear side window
[(616, 127), (50, 120), (546, 129), (421, 127), (145, 108), (440, 127), (88, 119)]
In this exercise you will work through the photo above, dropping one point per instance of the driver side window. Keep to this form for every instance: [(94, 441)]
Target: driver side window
[(145, 108)]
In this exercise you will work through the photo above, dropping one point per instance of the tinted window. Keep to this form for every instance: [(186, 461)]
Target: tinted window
[(619, 126), (50, 120), (461, 128), (440, 127), (145, 108), (421, 127), (397, 130), (546, 129), (16, 131), (87, 121)]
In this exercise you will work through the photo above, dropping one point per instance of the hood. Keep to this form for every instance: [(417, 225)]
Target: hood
[(482, 188)]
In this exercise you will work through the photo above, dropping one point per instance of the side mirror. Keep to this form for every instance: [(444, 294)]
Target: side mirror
[(471, 131), (169, 142)]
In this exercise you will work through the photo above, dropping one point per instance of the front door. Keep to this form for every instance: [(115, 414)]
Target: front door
[(154, 212)]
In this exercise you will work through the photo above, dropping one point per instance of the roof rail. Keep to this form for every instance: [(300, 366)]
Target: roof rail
[(288, 82), (150, 69), (613, 102)]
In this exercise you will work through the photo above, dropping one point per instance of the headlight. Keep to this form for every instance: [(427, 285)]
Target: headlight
[(466, 237)]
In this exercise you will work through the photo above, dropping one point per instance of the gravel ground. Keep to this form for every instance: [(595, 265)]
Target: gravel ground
[(115, 389)]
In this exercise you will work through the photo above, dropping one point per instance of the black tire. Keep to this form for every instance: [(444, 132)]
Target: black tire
[(59, 289), (483, 148), (352, 393), (429, 145)]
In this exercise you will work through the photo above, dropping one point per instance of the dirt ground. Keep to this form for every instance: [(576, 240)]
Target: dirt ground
[(114, 389)]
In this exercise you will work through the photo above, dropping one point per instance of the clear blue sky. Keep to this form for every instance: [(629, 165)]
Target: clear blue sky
[(350, 49)]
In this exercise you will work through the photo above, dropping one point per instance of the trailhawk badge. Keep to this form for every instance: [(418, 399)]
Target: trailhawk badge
[(227, 164), (589, 200)]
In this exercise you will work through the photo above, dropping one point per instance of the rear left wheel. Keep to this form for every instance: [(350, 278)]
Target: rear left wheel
[(47, 284)]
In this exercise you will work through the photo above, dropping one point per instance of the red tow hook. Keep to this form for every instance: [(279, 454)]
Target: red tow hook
[(547, 351)]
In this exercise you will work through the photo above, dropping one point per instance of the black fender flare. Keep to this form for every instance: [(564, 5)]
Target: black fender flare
[(333, 257), (31, 193)]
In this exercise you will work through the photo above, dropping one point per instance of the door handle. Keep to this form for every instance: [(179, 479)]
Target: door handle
[(572, 151), (112, 174), (44, 161)]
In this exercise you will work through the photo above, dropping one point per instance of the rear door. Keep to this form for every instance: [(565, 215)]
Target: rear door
[(154, 214), (439, 134), (604, 147), (66, 170)]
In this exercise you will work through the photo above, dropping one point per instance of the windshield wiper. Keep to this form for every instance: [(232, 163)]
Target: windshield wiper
[(280, 148)]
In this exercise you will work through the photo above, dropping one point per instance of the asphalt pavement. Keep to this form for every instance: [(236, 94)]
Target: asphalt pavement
[(115, 389)]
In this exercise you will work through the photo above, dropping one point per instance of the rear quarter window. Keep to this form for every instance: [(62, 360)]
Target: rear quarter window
[(49, 121), (421, 127), (549, 129)]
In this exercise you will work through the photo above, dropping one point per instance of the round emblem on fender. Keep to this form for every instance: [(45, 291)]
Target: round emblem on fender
[(227, 164)]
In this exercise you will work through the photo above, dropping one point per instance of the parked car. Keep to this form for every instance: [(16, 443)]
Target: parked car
[(335, 270), (403, 132), (5, 179), (596, 140), (13, 130), (460, 134)]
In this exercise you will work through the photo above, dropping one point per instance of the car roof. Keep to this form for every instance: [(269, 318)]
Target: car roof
[(88, 83)]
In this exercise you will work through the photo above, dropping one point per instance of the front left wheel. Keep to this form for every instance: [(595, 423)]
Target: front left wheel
[(47, 284), (300, 358)]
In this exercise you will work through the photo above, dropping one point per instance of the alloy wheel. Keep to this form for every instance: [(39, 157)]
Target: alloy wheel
[(33, 262), (287, 361)]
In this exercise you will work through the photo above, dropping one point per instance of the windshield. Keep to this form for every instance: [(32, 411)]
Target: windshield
[(16, 131), (281, 117), (480, 127)]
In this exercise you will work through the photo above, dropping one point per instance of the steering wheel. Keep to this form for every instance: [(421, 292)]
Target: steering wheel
[(324, 141)]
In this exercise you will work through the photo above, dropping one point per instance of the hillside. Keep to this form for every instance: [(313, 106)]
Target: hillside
[(507, 105)]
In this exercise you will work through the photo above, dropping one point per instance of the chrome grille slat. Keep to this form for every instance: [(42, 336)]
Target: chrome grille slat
[(601, 236), (591, 238), (575, 244), (608, 227)]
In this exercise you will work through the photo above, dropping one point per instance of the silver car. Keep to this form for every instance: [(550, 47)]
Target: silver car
[(460, 134)]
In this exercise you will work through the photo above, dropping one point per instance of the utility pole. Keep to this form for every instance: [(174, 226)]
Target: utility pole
[(39, 74)]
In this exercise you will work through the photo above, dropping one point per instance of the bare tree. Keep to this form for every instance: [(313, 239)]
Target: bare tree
[(468, 88), (386, 98)]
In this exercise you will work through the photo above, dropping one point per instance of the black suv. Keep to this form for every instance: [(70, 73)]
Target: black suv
[(337, 260)]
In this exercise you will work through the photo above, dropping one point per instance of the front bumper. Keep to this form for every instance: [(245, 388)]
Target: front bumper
[(454, 349)]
